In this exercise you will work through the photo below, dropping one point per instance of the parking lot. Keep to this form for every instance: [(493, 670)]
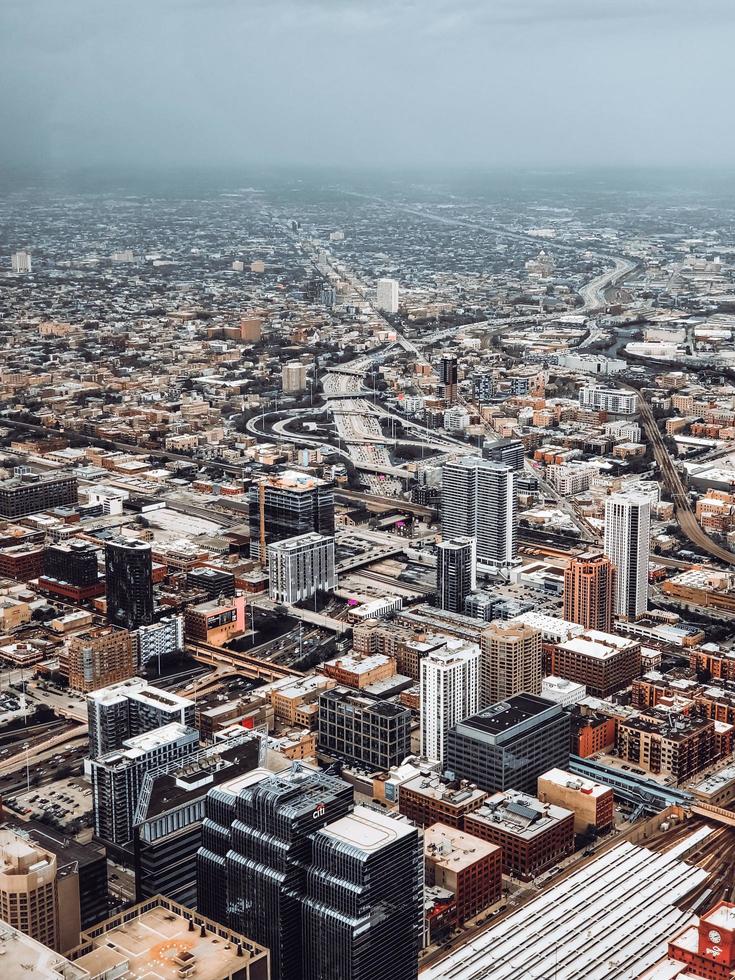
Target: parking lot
[(62, 801)]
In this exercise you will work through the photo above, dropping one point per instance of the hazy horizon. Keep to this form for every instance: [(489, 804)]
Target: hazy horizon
[(411, 85)]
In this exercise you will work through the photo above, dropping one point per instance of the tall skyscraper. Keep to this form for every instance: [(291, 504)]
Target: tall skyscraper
[(129, 582), (589, 591), (300, 567), (456, 573), (363, 909), (286, 505), (257, 840), (21, 261), (448, 375), (478, 500), (628, 546), (450, 692), (511, 661), (386, 295)]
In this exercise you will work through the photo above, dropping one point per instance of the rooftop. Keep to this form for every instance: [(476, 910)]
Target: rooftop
[(449, 848), (163, 940), (368, 830)]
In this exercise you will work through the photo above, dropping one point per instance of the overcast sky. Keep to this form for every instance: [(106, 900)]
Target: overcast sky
[(395, 83)]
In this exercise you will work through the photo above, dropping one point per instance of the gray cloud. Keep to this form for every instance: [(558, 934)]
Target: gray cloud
[(491, 83)]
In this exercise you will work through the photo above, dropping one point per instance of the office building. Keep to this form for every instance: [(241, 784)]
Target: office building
[(478, 500), (213, 581), (30, 493), (612, 400), (470, 868), (71, 570), (152, 644), (293, 377), (509, 744), (29, 893), (603, 662), (532, 835), (99, 657), (456, 574), (133, 707), (300, 567), (363, 731), (117, 779), (511, 661), (21, 262), (386, 295), (589, 591), (591, 802), (628, 546), (170, 811), (510, 452), (363, 908), (257, 844), (564, 692), (287, 505), (162, 940), (216, 621), (429, 797), (450, 692), (448, 375), (129, 583)]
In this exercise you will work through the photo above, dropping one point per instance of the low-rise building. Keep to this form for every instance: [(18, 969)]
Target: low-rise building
[(533, 835), (469, 868), (591, 802)]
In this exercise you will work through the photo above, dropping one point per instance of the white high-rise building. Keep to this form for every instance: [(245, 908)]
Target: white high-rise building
[(478, 500), (293, 377), (301, 566), (21, 261), (450, 691), (628, 546), (387, 295)]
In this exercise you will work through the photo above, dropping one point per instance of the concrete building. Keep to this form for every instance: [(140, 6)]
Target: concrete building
[(428, 797), (450, 692), (612, 400), (363, 731), (386, 295), (604, 662), (162, 939), (563, 692), (132, 707), (29, 893), (448, 376), (591, 802), (293, 377), (533, 835), (589, 591), (300, 567), (628, 546), (478, 500), (511, 661), (30, 493), (157, 641), (470, 868), (509, 744), (21, 262), (99, 657), (359, 670), (287, 505), (117, 778), (215, 621), (456, 575)]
